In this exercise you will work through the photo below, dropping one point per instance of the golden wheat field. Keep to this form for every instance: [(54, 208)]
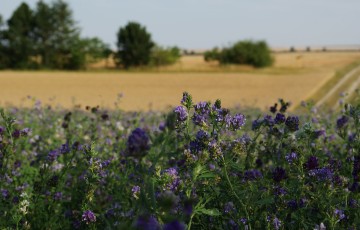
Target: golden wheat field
[(294, 77)]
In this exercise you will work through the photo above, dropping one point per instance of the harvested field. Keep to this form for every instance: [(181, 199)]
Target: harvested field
[(158, 90)]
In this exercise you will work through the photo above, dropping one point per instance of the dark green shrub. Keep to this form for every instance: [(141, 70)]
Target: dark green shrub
[(246, 52)]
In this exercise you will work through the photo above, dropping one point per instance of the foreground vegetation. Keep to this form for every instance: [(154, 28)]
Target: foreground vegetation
[(200, 166)]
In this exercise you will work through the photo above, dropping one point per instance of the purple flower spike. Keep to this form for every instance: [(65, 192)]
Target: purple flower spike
[(181, 113), (88, 217)]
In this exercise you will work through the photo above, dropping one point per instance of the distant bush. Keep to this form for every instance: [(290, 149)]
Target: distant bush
[(164, 56), (247, 52)]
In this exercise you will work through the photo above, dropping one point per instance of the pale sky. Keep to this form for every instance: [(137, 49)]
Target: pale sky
[(203, 24)]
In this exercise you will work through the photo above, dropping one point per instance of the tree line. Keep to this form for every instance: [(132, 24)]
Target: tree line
[(47, 37)]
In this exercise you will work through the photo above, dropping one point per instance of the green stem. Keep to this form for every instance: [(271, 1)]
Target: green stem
[(235, 194)]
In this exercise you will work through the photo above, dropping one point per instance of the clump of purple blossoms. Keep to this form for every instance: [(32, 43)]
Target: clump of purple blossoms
[(279, 174), (342, 121), (138, 143), (339, 214), (201, 115), (311, 163), (253, 174), (181, 114), (186, 100), (236, 122), (135, 191), (172, 173), (276, 223), (88, 217), (322, 174), (147, 223), (53, 155), (291, 157), (1, 130), (268, 120), (229, 207), (279, 118), (174, 225), (292, 123)]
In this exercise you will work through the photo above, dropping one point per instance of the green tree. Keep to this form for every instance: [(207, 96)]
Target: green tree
[(134, 45), (164, 56), (57, 35), (246, 52), (18, 39)]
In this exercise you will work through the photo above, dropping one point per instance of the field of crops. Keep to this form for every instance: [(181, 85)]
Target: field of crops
[(295, 77), (164, 159), (199, 167)]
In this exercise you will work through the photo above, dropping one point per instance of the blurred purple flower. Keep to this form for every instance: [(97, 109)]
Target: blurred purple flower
[(339, 214), (291, 157), (279, 174), (322, 174), (88, 217), (147, 223), (342, 121), (174, 225), (311, 163), (292, 123), (181, 113), (138, 143)]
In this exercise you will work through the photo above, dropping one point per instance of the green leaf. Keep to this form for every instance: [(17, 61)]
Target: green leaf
[(265, 201), (207, 175), (209, 212)]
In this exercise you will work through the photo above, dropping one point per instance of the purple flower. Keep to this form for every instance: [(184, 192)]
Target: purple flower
[(311, 163), (53, 155), (58, 196), (292, 123), (201, 135), (339, 214), (253, 174), (25, 132), (269, 121), (292, 204), (138, 143), (319, 133), (16, 134), (279, 118), (135, 191), (342, 121), (5, 193), (291, 157), (279, 174), (238, 121), (256, 124), (186, 100), (276, 223), (181, 113), (174, 179), (147, 223), (1, 130), (65, 148), (322, 174), (201, 114), (88, 217), (174, 225), (229, 207)]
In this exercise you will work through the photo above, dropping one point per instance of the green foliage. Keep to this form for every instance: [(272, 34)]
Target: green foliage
[(18, 39), (134, 46), (46, 37), (246, 52), (164, 56)]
